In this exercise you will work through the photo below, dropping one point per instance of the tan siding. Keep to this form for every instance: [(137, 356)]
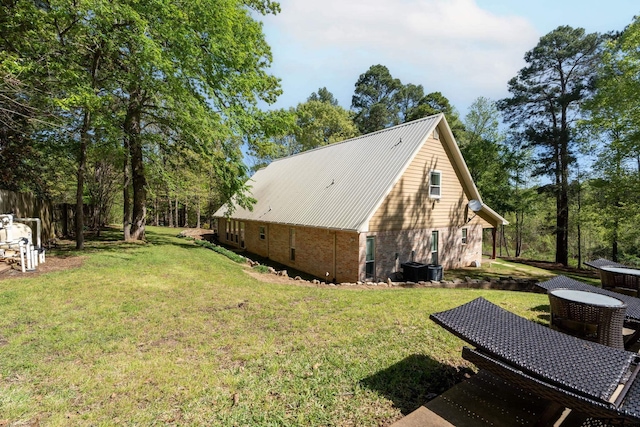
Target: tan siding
[(408, 205)]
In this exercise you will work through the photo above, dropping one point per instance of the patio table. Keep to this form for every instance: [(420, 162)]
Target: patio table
[(588, 315)]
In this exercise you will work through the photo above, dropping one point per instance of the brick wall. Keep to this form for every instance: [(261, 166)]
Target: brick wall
[(392, 248), (252, 238), (317, 251)]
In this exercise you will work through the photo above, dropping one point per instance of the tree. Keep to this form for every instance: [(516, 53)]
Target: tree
[(178, 76), (26, 100), (544, 105), (375, 100), (482, 122), (612, 118), (322, 123), (310, 125), (410, 98), (323, 95), (435, 103), (272, 137), (381, 101), (134, 72), (521, 194), (486, 156)]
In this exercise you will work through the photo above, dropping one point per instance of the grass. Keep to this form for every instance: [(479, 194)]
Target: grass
[(169, 333), (500, 268)]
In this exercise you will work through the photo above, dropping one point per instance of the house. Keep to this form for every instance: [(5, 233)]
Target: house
[(358, 209)]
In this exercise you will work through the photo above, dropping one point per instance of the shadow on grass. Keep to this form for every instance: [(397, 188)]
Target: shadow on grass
[(415, 380), (544, 307), (111, 240)]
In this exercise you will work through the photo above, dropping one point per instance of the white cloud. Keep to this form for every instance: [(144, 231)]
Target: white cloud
[(452, 46)]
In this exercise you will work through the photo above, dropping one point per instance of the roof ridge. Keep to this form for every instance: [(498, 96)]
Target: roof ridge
[(367, 135)]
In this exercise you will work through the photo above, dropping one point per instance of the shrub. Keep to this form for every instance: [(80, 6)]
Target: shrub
[(219, 249), (261, 268)]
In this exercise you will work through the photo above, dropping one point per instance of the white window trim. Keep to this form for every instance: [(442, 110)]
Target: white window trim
[(431, 196), (372, 261), (292, 244), (465, 236)]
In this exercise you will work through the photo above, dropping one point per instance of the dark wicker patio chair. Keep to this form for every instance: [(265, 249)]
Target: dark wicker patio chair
[(615, 281), (601, 324), (602, 262), (632, 314), (588, 377)]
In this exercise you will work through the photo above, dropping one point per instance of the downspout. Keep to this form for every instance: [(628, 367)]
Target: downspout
[(335, 272)]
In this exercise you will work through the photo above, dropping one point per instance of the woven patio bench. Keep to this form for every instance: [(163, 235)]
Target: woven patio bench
[(584, 376)]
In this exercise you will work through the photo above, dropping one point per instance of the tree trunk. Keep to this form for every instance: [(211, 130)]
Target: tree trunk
[(169, 210), (139, 212), (82, 167), (186, 213), (198, 212), (519, 228), (177, 214), (579, 222), (614, 243), (132, 131), (156, 206), (126, 196), (562, 228), (562, 248)]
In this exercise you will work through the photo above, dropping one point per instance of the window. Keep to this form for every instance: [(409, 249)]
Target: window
[(242, 234), (235, 230), (464, 236), (292, 244), (434, 247), (228, 227), (370, 263), (434, 184), (262, 233)]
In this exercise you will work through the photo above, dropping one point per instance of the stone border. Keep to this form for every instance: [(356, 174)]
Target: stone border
[(502, 283)]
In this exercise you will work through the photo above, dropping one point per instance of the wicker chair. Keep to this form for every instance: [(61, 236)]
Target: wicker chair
[(620, 282), (601, 324), (611, 280), (603, 262), (631, 331), (566, 370)]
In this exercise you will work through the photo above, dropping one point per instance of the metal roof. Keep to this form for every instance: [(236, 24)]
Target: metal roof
[(338, 186)]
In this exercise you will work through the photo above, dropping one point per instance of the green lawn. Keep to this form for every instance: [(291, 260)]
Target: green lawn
[(170, 333)]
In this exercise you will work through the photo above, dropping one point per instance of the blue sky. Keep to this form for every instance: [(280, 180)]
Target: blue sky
[(462, 48)]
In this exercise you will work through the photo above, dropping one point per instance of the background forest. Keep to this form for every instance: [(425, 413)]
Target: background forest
[(156, 113)]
